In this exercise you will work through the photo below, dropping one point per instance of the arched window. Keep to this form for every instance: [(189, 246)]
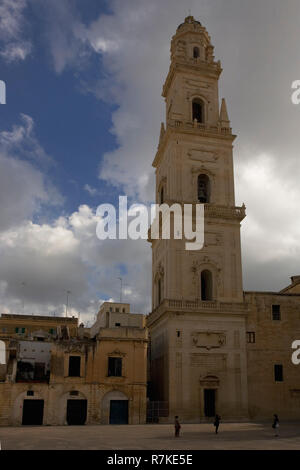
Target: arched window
[(206, 285), (196, 52), (203, 189), (198, 110)]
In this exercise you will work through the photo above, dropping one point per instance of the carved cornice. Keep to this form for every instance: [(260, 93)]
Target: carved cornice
[(212, 69), (174, 306), (216, 210), (116, 352)]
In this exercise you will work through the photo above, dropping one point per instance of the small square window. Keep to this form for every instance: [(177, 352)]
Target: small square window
[(117, 324), (30, 393), (276, 315), (278, 373), (74, 393)]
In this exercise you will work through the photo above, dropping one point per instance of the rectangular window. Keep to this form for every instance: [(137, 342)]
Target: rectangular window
[(117, 324), (115, 367), (74, 366), (117, 310), (250, 337), (20, 330), (278, 373), (178, 333), (276, 315), (52, 331)]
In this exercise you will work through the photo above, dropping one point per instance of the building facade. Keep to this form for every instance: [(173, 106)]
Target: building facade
[(214, 347), (94, 376)]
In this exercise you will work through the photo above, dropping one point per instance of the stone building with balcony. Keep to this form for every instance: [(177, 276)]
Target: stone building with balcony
[(75, 375)]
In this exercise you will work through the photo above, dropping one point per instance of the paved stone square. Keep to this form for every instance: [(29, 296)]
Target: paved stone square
[(238, 436)]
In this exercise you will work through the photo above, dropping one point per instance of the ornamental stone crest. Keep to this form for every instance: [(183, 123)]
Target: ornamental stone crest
[(208, 340)]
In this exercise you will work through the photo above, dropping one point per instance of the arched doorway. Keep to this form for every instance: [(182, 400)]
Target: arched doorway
[(72, 408), (30, 408), (76, 412), (33, 412), (115, 408)]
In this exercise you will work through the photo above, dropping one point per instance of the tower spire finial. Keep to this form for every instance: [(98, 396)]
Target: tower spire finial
[(224, 119)]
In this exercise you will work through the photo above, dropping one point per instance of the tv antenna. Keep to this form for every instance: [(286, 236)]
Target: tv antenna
[(23, 284), (67, 303), (121, 291)]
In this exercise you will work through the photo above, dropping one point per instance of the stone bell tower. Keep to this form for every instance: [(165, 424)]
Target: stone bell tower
[(197, 323)]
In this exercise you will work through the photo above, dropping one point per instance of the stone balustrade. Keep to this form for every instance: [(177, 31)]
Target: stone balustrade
[(203, 127), (174, 305)]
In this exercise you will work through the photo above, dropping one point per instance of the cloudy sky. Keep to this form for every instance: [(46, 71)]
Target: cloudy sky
[(81, 126)]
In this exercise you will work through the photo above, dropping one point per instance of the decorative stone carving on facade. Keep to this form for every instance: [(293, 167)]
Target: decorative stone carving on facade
[(208, 362), (203, 156), (74, 349), (180, 50), (116, 352), (208, 340), (159, 271), (192, 83), (197, 265), (210, 381), (213, 239)]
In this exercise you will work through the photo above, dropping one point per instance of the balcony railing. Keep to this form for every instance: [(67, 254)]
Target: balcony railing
[(202, 127), (174, 305)]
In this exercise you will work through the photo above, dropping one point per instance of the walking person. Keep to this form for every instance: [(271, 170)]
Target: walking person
[(217, 423), (275, 425), (177, 427)]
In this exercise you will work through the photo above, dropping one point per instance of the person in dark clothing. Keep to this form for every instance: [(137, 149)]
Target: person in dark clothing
[(177, 426), (275, 425), (217, 423)]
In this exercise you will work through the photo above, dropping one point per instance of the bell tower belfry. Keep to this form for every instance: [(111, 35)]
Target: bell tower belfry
[(197, 323)]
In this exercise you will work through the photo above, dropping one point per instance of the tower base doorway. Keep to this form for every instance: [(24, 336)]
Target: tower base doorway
[(209, 402)]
